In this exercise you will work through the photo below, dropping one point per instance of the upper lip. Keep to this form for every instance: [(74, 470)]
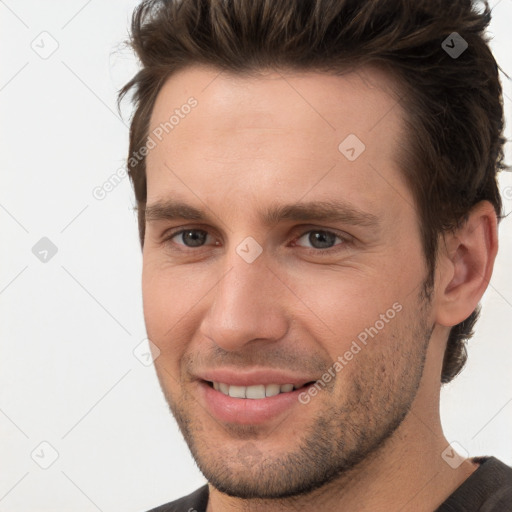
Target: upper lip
[(235, 377)]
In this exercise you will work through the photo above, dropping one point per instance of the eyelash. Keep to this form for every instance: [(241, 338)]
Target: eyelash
[(345, 240)]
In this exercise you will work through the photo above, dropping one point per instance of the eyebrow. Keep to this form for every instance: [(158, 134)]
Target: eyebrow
[(333, 210)]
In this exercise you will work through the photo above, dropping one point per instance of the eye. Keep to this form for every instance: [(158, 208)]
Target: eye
[(320, 239), (189, 237)]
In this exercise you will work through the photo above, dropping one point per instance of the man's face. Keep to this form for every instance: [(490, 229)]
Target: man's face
[(256, 303)]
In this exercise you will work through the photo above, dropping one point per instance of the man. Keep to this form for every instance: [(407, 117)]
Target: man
[(318, 209)]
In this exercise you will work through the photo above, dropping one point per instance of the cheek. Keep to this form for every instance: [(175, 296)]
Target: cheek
[(340, 307), (173, 301)]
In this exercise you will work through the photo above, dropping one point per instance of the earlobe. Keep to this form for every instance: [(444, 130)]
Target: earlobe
[(469, 255)]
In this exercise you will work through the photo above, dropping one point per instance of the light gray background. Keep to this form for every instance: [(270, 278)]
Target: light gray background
[(69, 326)]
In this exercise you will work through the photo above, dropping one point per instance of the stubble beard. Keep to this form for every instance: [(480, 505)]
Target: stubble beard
[(356, 420)]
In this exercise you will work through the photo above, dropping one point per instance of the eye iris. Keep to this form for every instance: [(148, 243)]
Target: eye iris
[(323, 238), (194, 236)]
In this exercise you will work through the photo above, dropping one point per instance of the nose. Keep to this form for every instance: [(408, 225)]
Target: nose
[(246, 306)]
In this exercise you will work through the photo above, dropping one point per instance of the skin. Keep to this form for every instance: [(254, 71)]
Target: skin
[(372, 439)]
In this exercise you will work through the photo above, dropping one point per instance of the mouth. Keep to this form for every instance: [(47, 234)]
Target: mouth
[(256, 404), (256, 396), (257, 391)]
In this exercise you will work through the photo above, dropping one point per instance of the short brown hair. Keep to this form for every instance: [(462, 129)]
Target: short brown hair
[(453, 105)]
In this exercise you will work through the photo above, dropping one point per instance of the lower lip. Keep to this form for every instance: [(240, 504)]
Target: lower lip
[(247, 411)]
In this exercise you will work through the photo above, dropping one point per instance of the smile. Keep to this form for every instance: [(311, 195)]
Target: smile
[(255, 392)]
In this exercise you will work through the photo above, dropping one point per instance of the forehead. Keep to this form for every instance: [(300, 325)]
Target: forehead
[(282, 133)]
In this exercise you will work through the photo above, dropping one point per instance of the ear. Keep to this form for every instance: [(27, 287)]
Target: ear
[(465, 264)]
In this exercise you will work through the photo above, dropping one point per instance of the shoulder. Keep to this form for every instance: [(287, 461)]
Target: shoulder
[(488, 489), (194, 502)]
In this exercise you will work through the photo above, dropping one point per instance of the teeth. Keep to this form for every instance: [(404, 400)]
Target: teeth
[(237, 391), (272, 390), (255, 392)]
